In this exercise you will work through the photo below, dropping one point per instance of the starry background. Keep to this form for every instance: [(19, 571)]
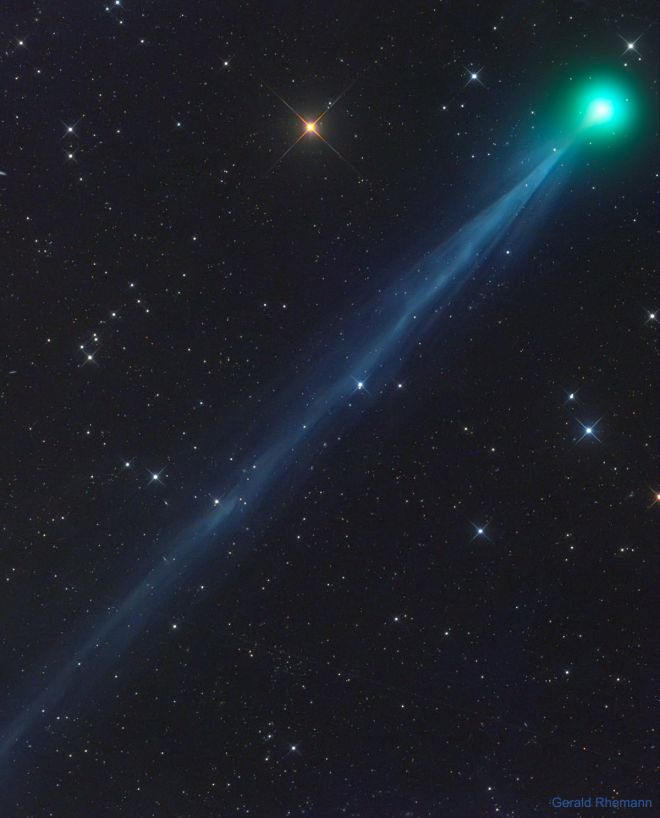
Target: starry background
[(368, 653)]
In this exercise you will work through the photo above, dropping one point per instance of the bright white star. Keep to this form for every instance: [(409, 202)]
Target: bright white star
[(480, 531), (631, 45), (589, 430), (473, 76)]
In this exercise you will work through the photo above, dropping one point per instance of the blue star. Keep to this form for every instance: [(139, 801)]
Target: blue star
[(360, 386), (589, 430), (479, 531)]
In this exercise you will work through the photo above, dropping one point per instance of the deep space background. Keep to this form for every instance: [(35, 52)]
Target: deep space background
[(359, 649)]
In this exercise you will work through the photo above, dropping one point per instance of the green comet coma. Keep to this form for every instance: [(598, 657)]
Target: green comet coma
[(602, 107), (599, 111)]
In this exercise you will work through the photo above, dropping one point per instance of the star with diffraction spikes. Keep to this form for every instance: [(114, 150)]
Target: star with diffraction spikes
[(311, 128)]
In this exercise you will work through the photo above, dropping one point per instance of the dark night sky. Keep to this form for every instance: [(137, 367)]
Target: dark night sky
[(358, 648)]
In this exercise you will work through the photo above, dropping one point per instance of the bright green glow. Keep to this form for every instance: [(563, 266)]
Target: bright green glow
[(603, 107), (600, 110), (607, 108)]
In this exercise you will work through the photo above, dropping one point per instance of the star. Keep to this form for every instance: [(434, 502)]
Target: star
[(155, 476), (589, 430), (310, 127), (473, 76), (480, 531), (631, 46), (360, 386)]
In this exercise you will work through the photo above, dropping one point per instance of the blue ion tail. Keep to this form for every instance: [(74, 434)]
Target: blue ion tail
[(394, 321)]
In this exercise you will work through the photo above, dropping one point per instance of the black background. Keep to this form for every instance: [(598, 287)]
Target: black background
[(418, 670)]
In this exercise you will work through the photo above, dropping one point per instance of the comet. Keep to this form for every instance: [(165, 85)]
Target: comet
[(385, 332)]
